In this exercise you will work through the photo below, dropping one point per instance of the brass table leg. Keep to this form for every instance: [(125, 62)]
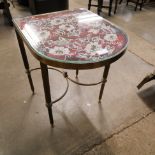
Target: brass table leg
[(77, 73), (46, 85), (105, 75), (25, 60)]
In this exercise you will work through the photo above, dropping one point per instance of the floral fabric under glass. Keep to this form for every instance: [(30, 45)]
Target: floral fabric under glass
[(77, 36)]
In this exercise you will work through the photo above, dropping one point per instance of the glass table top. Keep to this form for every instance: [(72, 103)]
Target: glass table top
[(78, 36)]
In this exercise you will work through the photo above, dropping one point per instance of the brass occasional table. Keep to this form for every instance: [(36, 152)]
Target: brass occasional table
[(77, 40)]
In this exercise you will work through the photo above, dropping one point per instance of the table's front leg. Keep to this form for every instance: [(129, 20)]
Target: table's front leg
[(25, 60), (46, 85), (105, 75)]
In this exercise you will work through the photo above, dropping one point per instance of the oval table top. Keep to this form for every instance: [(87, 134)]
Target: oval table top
[(76, 39)]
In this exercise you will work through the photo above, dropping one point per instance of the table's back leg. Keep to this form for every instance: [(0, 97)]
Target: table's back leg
[(105, 75), (46, 85), (25, 60), (77, 73)]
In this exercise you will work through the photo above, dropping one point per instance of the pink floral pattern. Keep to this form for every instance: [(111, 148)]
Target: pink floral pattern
[(77, 36)]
